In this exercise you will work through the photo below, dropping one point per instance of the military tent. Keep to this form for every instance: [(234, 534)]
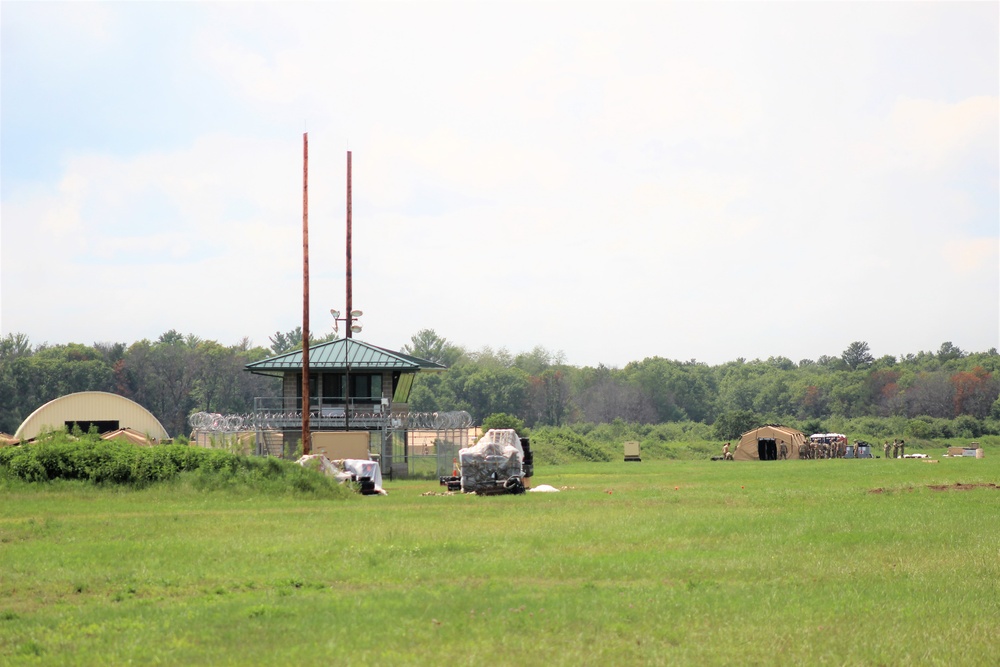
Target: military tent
[(764, 443)]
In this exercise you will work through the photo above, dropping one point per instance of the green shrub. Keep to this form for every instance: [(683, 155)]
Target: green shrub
[(920, 428), (121, 463), (559, 445), (967, 426)]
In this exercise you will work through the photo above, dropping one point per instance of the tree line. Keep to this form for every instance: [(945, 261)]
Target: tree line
[(172, 377), (541, 389), (176, 375)]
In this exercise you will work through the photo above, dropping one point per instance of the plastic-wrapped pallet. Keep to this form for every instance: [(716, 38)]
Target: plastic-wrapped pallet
[(488, 464)]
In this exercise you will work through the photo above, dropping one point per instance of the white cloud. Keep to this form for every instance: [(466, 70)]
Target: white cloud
[(932, 135), (973, 256), (653, 172)]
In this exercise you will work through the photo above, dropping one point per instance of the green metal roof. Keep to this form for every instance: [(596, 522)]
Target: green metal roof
[(337, 354)]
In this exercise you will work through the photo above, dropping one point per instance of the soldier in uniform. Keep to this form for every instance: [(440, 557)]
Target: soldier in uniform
[(783, 450), (902, 448), (885, 448), (726, 454)]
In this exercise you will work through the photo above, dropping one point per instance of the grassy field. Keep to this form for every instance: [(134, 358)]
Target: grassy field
[(843, 562)]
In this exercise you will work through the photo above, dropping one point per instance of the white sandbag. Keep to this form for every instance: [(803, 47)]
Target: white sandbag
[(543, 488)]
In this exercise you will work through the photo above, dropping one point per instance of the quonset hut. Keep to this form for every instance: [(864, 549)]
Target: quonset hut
[(102, 410)]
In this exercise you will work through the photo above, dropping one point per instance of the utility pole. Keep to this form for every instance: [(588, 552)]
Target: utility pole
[(350, 287), (306, 437), (350, 305)]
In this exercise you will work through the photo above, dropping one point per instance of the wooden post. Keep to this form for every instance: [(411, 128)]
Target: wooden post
[(349, 321), (306, 438), (350, 286)]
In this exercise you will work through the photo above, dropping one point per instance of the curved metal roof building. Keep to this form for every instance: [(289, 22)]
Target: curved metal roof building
[(106, 411)]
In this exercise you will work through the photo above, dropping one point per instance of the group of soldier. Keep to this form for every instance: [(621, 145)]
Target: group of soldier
[(896, 450), (823, 449), (828, 449)]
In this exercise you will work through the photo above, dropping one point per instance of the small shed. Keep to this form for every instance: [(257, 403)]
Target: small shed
[(764, 443), (632, 452)]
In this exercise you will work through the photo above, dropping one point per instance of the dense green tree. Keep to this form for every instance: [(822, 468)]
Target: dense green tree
[(857, 355), (812, 402), (489, 390), (931, 394), (847, 395), (731, 425), (504, 421), (606, 396), (832, 363), (213, 375), (883, 392), (949, 351), (14, 345), (488, 357), (538, 360), (548, 397), (292, 340), (29, 378), (426, 344), (423, 398), (678, 390), (947, 392)]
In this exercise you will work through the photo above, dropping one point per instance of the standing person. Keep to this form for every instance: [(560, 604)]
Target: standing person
[(885, 448), (784, 450), (726, 454), (902, 449), (895, 448)]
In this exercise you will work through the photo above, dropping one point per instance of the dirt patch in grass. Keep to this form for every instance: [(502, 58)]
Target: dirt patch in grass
[(958, 486)]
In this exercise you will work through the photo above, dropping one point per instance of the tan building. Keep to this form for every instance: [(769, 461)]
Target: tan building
[(103, 410)]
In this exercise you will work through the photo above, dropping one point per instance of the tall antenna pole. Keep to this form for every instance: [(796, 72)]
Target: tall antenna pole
[(306, 438), (350, 305), (350, 299)]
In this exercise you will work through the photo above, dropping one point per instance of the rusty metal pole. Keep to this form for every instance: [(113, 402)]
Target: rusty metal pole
[(350, 305), (306, 438), (350, 298)]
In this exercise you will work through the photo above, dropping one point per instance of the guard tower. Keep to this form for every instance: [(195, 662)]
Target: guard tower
[(354, 387)]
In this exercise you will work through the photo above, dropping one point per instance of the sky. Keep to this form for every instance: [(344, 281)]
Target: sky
[(609, 181)]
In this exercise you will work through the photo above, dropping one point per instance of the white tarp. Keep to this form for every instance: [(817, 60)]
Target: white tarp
[(364, 468), (343, 469), (497, 457)]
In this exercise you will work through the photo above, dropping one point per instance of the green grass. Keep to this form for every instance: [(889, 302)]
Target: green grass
[(666, 562)]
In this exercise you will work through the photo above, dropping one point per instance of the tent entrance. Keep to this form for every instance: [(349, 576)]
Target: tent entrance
[(767, 449)]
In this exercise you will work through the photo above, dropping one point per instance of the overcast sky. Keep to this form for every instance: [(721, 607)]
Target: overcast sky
[(614, 181)]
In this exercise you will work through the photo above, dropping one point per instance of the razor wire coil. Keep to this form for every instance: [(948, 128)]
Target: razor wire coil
[(275, 420)]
